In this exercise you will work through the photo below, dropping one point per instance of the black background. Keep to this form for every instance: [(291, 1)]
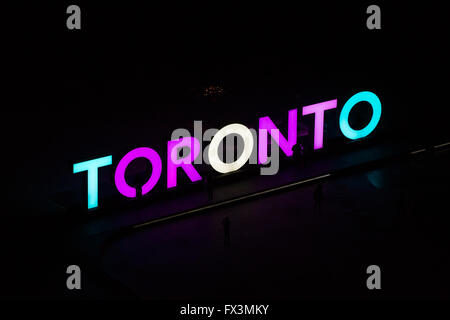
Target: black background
[(71, 95)]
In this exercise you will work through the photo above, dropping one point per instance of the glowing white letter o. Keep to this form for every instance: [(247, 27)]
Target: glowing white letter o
[(214, 159)]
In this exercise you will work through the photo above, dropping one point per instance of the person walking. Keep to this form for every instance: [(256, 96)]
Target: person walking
[(318, 198)]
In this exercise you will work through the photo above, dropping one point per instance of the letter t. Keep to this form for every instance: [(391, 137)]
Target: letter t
[(91, 167)]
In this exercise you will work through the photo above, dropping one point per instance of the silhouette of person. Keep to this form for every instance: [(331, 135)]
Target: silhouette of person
[(226, 231), (318, 197), (299, 150)]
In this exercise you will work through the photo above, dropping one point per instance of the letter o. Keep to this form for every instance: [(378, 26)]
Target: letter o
[(343, 118), (213, 156), (119, 176)]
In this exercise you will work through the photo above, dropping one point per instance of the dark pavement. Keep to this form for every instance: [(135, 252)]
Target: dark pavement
[(281, 249)]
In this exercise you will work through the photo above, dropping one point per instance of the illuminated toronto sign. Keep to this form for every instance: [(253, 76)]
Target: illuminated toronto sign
[(213, 154)]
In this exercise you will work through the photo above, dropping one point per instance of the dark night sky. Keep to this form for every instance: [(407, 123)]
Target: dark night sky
[(133, 74)]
